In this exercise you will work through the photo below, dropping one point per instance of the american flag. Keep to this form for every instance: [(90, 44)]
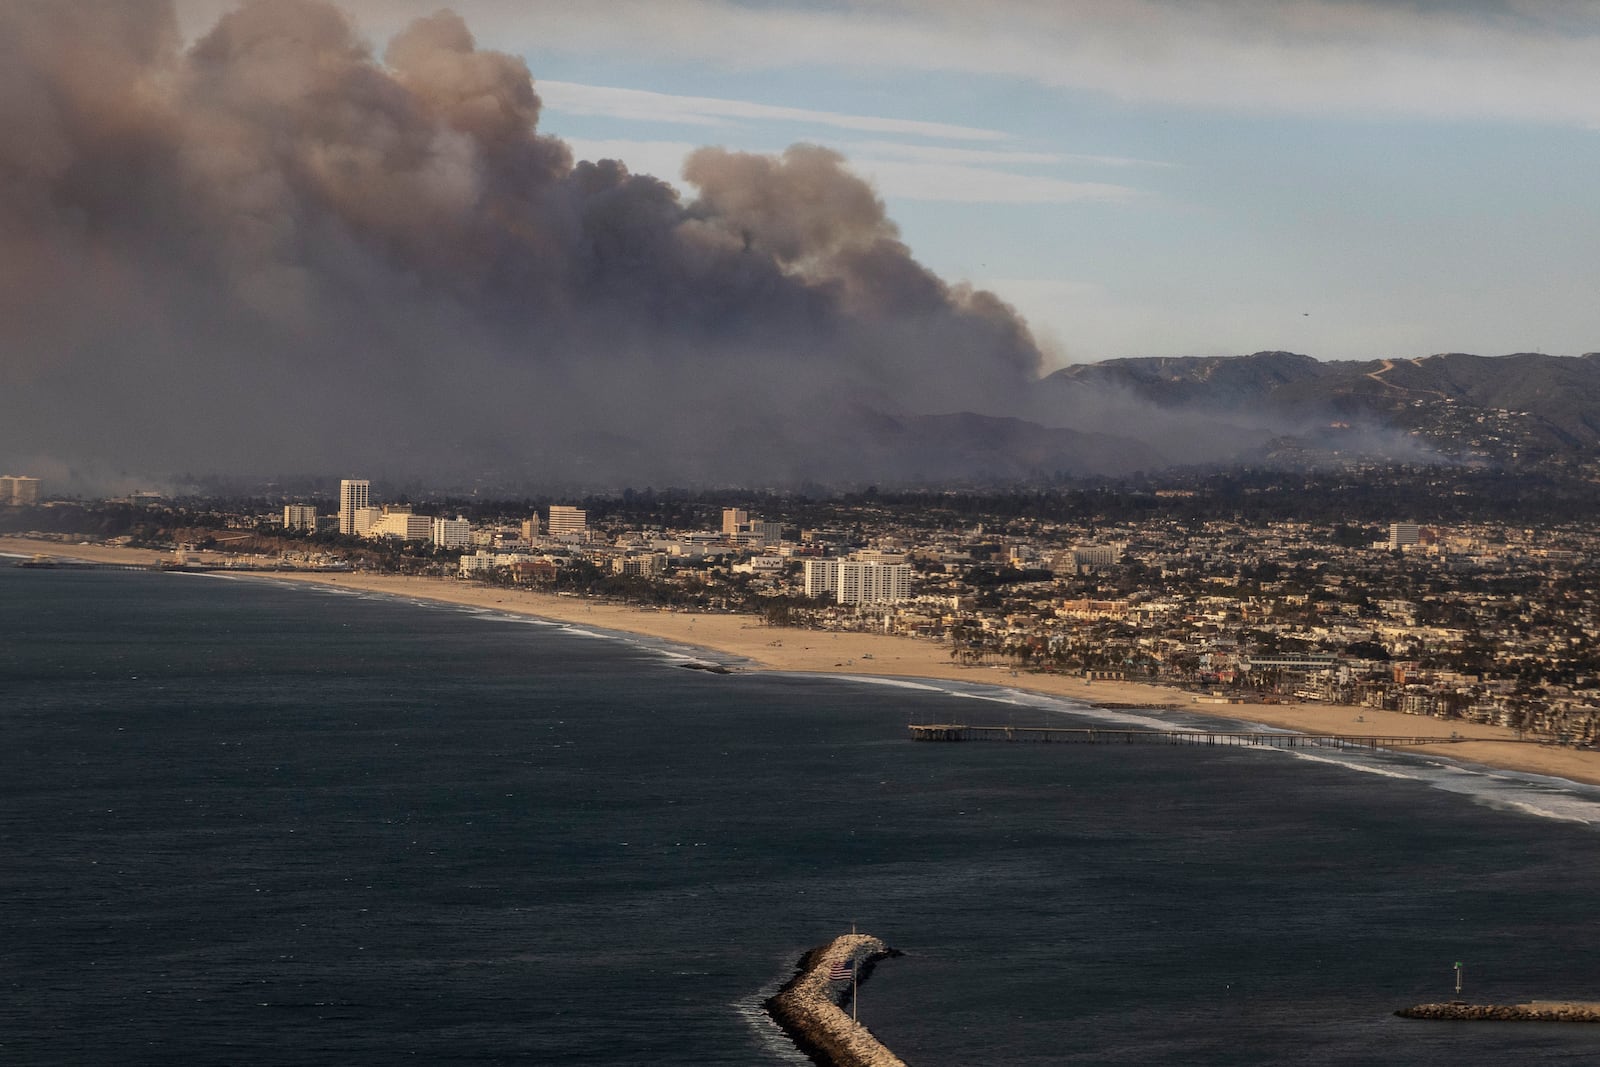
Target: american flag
[(841, 970)]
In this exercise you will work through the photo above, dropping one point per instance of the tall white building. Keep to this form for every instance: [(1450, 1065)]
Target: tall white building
[(354, 495), (858, 582), (734, 520), (822, 576), (565, 520), (19, 489), (452, 533), (300, 517)]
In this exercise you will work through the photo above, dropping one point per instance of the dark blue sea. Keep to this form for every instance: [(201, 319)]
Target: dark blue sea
[(245, 823)]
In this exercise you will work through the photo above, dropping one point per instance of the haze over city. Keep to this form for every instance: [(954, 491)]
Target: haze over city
[(516, 516), (691, 243)]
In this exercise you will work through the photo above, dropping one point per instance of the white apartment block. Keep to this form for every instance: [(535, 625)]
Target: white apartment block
[(482, 561), (19, 489), (566, 520), (300, 517), (858, 582), (404, 525), (821, 576), (362, 520), (644, 565), (451, 533), (354, 495)]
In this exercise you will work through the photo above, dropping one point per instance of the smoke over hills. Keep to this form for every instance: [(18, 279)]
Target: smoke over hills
[(273, 250)]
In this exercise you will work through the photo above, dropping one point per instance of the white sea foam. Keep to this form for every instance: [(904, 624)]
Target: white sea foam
[(768, 1034), (1360, 764), (1532, 795), (886, 682), (1526, 794)]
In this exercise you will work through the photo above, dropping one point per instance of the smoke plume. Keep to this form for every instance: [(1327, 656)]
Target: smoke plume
[(273, 250)]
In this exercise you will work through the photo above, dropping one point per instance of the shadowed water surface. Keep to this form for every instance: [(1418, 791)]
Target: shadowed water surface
[(253, 824)]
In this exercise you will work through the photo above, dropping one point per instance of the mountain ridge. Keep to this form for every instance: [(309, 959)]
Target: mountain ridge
[(1535, 406)]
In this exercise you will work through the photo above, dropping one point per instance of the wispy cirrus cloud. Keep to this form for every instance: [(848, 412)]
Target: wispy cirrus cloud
[(1504, 60), (923, 153), (642, 105)]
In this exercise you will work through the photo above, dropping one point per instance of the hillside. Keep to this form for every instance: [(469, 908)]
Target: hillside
[(1516, 409)]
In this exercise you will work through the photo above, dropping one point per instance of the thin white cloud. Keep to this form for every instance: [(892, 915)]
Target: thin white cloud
[(1520, 60), (638, 104), (944, 154), (1523, 60)]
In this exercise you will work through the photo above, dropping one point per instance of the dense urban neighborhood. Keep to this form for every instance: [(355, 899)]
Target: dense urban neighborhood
[(1207, 585)]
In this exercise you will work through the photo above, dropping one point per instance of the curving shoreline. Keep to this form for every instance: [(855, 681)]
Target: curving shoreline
[(808, 1006), (757, 646)]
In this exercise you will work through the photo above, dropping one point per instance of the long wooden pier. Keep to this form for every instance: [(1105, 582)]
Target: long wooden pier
[(1101, 736)]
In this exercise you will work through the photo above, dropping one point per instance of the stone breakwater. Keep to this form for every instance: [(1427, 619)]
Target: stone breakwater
[(1538, 1011), (807, 1007)]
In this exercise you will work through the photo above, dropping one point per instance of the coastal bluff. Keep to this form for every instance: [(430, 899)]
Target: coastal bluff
[(807, 1007), (1537, 1011)]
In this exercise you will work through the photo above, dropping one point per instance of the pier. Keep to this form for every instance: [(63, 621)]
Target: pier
[(1236, 738), (54, 563)]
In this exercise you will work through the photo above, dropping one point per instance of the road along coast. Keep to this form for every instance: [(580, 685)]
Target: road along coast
[(756, 646), (808, 1006)]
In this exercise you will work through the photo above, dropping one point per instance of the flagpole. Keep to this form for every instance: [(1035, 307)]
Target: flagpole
[(854, 1001)]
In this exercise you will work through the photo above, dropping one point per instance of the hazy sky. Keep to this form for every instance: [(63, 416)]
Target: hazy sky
[(303, 235), (1346, 179)]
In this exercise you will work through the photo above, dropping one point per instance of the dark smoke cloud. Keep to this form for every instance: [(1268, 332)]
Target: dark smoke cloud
[(271, 251)]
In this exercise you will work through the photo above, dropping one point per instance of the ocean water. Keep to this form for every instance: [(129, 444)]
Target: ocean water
[(245, 823)]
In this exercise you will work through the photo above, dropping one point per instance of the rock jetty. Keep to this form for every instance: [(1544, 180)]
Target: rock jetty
[(807, 1007), (1537, 1011)]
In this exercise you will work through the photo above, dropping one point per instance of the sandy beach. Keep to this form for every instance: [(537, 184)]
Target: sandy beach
[(756, 646)]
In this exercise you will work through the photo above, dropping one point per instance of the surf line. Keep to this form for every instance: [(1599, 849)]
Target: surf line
[(808, 1006)]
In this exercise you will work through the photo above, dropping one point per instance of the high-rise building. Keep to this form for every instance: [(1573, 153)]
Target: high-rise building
[(354, 494), (452, 533), (734, 520), (821, 576), (299, 517), (856, 582), (19, 489), (1404, 533), (530, 528), (566, 520)]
